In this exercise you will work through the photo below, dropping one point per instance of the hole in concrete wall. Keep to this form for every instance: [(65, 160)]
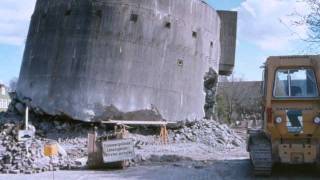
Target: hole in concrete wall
[(210, 88), (168, 25), (44, 15), (194, 34), (134, 17), (211, 44), (99, 13), (180, 62), (68, 12)]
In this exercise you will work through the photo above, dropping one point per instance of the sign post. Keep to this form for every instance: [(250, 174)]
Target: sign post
[(26, 134)]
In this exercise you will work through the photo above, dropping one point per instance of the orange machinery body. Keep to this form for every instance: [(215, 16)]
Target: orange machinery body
[(289, 120)]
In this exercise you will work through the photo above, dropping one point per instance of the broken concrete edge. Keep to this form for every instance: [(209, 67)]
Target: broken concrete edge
[(211, 78), (18, 106), (19, 103), (210, 89)]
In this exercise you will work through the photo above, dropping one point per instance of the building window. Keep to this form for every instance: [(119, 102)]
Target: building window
[(194, 34), (44, 15), (180, 62), (134, 17), (99, 13), (168, 25), (68, 12)]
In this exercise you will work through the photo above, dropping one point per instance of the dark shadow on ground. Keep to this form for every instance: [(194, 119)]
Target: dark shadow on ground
[(184, 170), (228, 169), (297, 171)]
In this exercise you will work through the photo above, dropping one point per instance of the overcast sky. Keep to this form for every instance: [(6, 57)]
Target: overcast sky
[(264, 29)]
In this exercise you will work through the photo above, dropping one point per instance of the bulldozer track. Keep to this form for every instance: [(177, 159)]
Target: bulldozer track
[(260, 154)]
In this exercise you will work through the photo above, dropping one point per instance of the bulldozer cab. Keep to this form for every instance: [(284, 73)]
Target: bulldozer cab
[(291, 104), (291, 98)]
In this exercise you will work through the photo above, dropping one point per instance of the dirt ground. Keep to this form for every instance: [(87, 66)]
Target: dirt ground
[(190, 170), (205, 165)]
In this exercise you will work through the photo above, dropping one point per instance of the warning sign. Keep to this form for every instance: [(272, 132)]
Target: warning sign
[(117, 150)]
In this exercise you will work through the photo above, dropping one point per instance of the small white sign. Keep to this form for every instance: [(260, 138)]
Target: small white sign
[(24, 135), (117, 150)]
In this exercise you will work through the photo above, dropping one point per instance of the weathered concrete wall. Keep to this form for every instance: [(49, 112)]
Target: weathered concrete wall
[(83, 55), (228, 36)]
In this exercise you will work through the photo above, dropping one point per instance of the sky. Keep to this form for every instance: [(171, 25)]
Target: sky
[(264, 29)]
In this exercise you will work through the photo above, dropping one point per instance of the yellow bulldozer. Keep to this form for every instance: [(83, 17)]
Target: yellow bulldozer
[(290, 133)]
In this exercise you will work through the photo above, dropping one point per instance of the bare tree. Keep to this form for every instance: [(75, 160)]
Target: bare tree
[(238, 98), (312, 20), (232, 93)]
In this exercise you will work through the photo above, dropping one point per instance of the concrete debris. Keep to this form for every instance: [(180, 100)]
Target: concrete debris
[(209, 132), (186, 138), (28, 156), (61, 151), (210, 84), (25, 157), (200, 140)]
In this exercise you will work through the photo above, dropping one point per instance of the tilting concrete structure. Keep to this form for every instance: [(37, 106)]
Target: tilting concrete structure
[(82, 56)]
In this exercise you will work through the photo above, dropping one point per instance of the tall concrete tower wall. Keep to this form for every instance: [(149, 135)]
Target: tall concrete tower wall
[(228, 34), (82, 56)]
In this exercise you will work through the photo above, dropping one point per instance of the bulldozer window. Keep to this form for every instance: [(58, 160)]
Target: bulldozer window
[(295, 83)]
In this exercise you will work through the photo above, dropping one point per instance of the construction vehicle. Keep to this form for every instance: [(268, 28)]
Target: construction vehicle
[(290, 133)]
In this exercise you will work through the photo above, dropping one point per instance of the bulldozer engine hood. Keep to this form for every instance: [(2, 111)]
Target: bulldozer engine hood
[(294, 119)]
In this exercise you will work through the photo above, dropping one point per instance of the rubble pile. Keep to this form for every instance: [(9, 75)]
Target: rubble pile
[(209, 132), (71, 137), (27, 156)]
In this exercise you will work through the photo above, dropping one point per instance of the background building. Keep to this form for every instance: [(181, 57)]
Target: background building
[(4, 98)]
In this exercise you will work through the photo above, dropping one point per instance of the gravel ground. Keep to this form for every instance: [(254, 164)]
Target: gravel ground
[(194, 151), (191, 170)]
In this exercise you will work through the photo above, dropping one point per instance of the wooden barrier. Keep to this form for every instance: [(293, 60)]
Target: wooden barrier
[(162, 124)]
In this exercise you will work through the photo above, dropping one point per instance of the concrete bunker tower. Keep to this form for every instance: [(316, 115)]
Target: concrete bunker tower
[(82, 56)]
